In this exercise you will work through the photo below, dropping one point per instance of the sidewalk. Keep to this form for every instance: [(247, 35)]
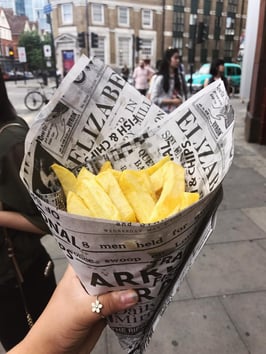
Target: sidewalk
[(221, 306)]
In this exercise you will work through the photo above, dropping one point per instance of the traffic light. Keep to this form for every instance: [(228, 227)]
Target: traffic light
[(138, 43), (94, 40), (81, 39), (11, 53), (202, 32)]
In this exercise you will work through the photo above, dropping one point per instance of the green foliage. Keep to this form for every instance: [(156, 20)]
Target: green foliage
[(34, 49)]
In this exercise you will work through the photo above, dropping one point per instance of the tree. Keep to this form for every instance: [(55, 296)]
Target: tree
[(34, 49)]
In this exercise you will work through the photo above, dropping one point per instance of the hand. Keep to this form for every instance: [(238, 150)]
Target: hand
[(68, 325), (177, 101)]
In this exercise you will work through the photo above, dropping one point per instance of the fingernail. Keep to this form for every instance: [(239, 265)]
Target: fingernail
[(128, 297)]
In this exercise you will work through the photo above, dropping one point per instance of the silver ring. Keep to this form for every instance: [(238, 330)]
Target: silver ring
[(96, 306)]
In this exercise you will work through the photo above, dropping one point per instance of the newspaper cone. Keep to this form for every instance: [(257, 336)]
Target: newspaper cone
[(96, 116)]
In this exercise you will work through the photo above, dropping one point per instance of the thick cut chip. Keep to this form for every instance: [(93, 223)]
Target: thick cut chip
[(75, 205), (111, 186), (97, 200), (136, 192), (84, 173), (150, 170), (188, 199), (106, 166), (66, 178), (172, 191)]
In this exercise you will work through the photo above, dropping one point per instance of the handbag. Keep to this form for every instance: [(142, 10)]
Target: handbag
[(18, 273)]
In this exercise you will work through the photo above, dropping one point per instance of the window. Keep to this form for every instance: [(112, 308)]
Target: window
[(194, 7), (124, 51), (232, 6), (207, 7), (178, 27), (97, 14), (67, 14), (179, 3), (230, 26), (146, 48), (228, 50), (123, 16), (147, 18)]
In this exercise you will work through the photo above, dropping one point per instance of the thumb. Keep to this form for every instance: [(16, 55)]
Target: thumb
[(117, 301)]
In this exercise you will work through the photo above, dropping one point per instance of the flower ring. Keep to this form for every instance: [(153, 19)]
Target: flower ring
[(96, 306)]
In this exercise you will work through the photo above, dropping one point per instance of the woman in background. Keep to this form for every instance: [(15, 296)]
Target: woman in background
[(169, 89), (27, 278), (217, 72)]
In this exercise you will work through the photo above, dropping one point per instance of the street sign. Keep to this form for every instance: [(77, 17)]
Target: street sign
[(47, 9), (47, 50), (22, 55)]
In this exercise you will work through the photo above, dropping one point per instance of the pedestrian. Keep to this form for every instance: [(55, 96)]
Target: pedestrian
[(217, 72), (125, 72), (73, 320), (27, 278), (169, 90), (152, 80), (142, 75)]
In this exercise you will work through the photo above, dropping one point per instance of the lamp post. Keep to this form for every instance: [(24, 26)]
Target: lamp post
[(192, 46), (47, 10)]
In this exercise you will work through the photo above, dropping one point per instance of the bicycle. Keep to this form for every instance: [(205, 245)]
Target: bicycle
[(37, 97)]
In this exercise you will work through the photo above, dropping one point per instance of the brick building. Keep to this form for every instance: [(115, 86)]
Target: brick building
[(201, 29), (11, 27)]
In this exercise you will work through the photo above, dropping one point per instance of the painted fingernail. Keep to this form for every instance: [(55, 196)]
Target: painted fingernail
[(128, 297)]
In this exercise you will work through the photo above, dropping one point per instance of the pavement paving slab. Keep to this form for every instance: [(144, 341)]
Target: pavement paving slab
[(235, 225), (248, 312), (228, 268), (257, 215)]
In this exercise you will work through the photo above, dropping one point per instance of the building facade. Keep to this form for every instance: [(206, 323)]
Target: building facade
[(11, 27), (127, 31)]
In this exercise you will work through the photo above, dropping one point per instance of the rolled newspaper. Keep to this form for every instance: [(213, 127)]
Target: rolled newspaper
[(96, 116)]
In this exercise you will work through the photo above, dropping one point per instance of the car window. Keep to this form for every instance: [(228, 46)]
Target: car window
[(238, 71), (230, 71), (205, 69)]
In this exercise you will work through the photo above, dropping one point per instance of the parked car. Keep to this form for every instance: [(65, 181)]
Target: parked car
[(29, 75), (5, 75), (232, 72)]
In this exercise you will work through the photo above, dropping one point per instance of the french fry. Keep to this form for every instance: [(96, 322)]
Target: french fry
[(75, 205), (139, 196), (97, 200), (106, 166), (109, 183), (150, 170), (188, 199), (145, 196), (84, 173), (172, 191), (66, 178)]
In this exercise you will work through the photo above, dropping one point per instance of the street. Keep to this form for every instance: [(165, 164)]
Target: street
[(17, 92), (221, 305)]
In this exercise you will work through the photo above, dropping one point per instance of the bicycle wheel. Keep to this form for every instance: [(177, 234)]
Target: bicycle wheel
[(34, 100)]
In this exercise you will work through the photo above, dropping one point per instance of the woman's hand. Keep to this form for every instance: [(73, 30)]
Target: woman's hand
[(176, 101), (68, 325)]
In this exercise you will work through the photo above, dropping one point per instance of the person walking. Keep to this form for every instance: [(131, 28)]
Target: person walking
[(27, 278), (142, 75), (168, 90), (217, 72), (125, 72)]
